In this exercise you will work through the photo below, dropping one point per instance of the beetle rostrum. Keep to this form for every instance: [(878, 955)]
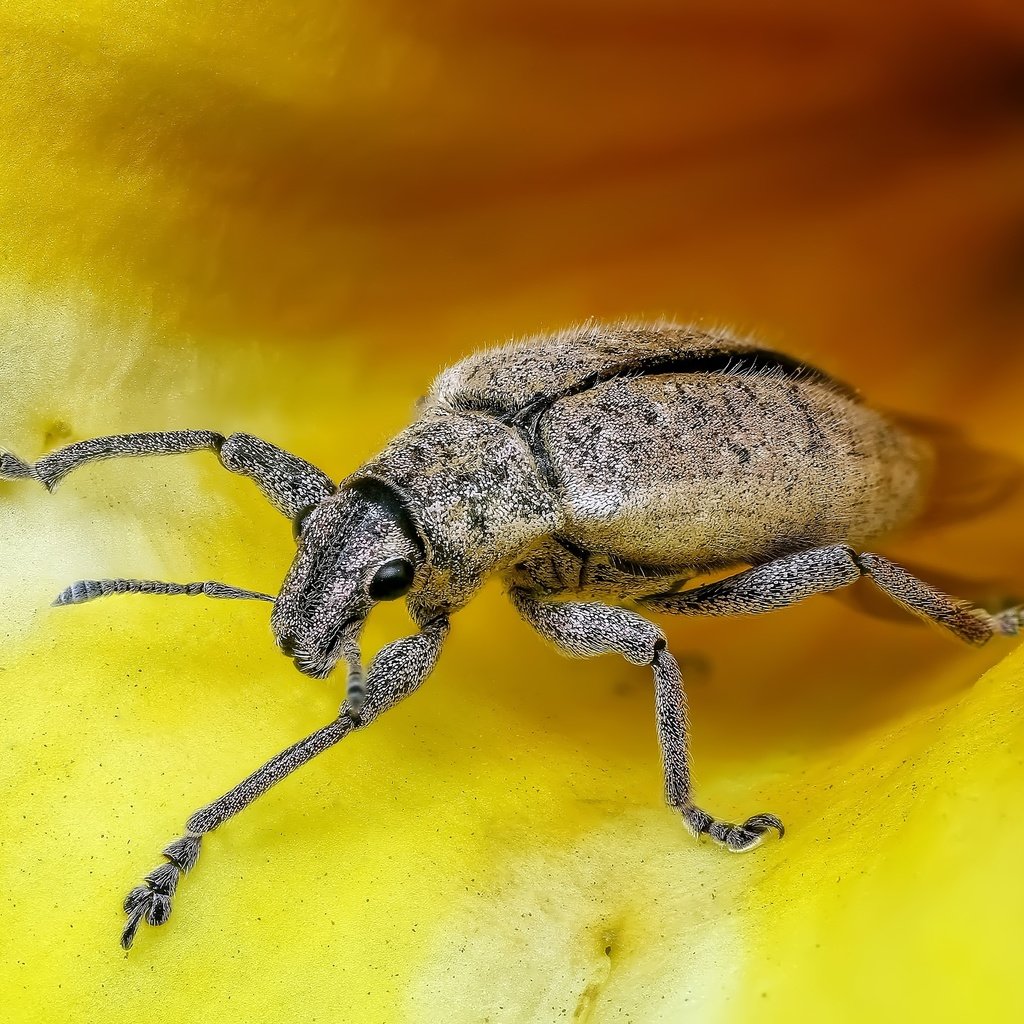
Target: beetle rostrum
[(599, 472)]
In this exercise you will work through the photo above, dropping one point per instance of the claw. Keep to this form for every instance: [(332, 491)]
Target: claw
[(737, 838), (750, 834), (130, 928)]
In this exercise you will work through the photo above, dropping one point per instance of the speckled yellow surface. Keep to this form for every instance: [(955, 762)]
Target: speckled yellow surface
[(283, 218)]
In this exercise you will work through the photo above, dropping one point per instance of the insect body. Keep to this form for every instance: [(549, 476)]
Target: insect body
[(589, 468)]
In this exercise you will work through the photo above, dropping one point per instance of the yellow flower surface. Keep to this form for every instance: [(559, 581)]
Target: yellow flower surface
[(284, 219)]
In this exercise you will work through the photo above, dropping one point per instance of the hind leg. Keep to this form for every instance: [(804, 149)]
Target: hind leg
[(785, 581)]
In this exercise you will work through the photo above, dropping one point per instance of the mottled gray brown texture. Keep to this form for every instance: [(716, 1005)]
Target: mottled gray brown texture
[(587, 468)]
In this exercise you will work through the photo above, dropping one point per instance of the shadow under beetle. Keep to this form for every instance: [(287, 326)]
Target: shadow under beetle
[(605, 463)]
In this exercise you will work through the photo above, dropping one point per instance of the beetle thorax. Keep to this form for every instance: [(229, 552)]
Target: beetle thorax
[(473, 488)]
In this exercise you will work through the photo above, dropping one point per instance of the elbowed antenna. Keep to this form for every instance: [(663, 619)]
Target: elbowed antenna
[(88, 590)]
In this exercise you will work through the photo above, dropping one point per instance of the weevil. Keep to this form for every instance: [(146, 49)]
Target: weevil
[(591, 469)]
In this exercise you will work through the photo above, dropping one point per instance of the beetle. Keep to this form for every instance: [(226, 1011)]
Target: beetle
[(595, 467)]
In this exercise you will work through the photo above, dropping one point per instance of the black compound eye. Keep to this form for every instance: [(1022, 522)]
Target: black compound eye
[(299, 522), (392, 579)]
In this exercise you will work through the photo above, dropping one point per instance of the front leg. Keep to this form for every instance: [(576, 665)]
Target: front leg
[(584, 630), (289, 483), (396, 671)]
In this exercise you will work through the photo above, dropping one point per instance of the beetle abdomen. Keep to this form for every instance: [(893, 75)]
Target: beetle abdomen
[(715, 469)]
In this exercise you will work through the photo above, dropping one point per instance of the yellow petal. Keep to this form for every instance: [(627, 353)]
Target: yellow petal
[(285, 221)]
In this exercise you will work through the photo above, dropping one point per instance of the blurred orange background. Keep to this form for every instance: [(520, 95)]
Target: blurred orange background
[(285, 218)]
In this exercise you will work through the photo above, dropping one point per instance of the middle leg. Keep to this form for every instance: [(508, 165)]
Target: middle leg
[(584, 630)]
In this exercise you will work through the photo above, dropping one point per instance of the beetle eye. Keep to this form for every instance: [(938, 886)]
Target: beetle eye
[(392, 579), (299, 522)]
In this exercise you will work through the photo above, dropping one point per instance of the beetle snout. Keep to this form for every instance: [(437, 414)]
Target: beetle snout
[(316, 647), (287, 643), (303, 647)]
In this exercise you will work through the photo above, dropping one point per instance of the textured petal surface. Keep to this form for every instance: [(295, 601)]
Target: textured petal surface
[(283, 219)]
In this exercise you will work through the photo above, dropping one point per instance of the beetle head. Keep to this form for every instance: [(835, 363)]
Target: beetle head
[(356, 547)]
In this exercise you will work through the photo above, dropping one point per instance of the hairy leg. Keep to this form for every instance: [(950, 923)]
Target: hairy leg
[(397, 671), (13, 468), (584, 630), (289, 483), (787, 580)]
